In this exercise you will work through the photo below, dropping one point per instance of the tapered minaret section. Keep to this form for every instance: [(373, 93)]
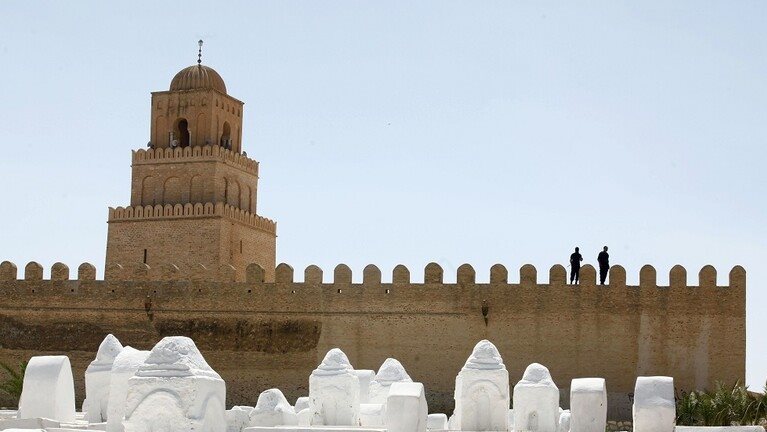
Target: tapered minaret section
[(193, 190)]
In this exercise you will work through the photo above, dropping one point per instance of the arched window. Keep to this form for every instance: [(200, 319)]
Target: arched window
[(226, 136), (171, 191), (181, 133)]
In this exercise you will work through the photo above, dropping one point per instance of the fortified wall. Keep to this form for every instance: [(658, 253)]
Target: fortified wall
[(259, 334)]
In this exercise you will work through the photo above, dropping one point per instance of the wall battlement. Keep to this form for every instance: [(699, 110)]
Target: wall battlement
[(433, 274), (198, 210), (194, 153)]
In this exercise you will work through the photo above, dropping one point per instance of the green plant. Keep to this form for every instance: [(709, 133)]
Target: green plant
[(725, 406), (14, 380)]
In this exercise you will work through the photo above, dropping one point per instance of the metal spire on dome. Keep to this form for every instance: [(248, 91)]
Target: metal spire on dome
[(199, 52)]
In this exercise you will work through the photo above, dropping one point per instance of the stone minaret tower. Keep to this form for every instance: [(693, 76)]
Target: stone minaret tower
[(193, 191)]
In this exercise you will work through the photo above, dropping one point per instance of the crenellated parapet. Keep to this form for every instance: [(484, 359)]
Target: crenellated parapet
[(195, 154), (691, 328), (191, 211), (433, 275)]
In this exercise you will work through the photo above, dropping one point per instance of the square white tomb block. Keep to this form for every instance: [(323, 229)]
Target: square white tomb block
[(48, 390), (97, 378), (391, 371), (654, 407), (175, 390), (334, 392), (272, 409), (436, 422), (588, 405), (125, 365), (365, 376), (406, 409), (536, 401), (482, 393)]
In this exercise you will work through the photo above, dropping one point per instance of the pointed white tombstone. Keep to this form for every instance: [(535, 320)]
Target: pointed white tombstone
[(48, 390), (654, 408), (272, 409), (97, 378), (482, 393), (391, 371), (175, 390), (334, 392), (588, 405), (125, 365), (536, 401), (406, 409)]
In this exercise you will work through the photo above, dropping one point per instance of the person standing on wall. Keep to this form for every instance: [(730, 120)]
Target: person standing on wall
[(575, 266), (604, 265)]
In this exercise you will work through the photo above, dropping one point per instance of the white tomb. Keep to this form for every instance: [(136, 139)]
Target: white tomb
[(302, 403), (565, 421), (365, 376), (719, 429), (482, 391), (334, 392), (124, 366), (238, 418), (97, 378), (372, 415), (588, 405), (391, 371), (303, 411), (654, 407), (536, 401), (48, 390), (406, 409), (175, 391), (272, 409), (27, 425), (436, 422), (22, 430), (305, 417)]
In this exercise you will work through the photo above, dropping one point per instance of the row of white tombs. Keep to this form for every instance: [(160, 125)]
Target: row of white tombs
[(172, 388)]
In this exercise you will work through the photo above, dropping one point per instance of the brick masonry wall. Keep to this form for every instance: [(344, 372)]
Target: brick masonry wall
[(260, 335), (209, 241)]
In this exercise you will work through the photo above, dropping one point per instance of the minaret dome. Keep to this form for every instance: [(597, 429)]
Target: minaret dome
[(198, 77)]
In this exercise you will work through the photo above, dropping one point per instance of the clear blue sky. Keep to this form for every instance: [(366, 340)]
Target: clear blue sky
[(408, 132)]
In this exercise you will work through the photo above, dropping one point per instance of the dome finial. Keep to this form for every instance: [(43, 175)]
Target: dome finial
[(199, 52)]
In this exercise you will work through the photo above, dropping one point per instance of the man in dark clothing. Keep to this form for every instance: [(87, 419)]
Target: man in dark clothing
[(575, 266), (604, 265)]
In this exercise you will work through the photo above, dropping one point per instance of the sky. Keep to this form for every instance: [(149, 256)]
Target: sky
[(399, 132)]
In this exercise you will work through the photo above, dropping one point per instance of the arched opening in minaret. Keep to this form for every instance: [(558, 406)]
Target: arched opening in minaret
[(226, 136), (181, 133)]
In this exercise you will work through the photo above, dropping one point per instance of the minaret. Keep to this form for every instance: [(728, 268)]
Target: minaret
[(193, 190)]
